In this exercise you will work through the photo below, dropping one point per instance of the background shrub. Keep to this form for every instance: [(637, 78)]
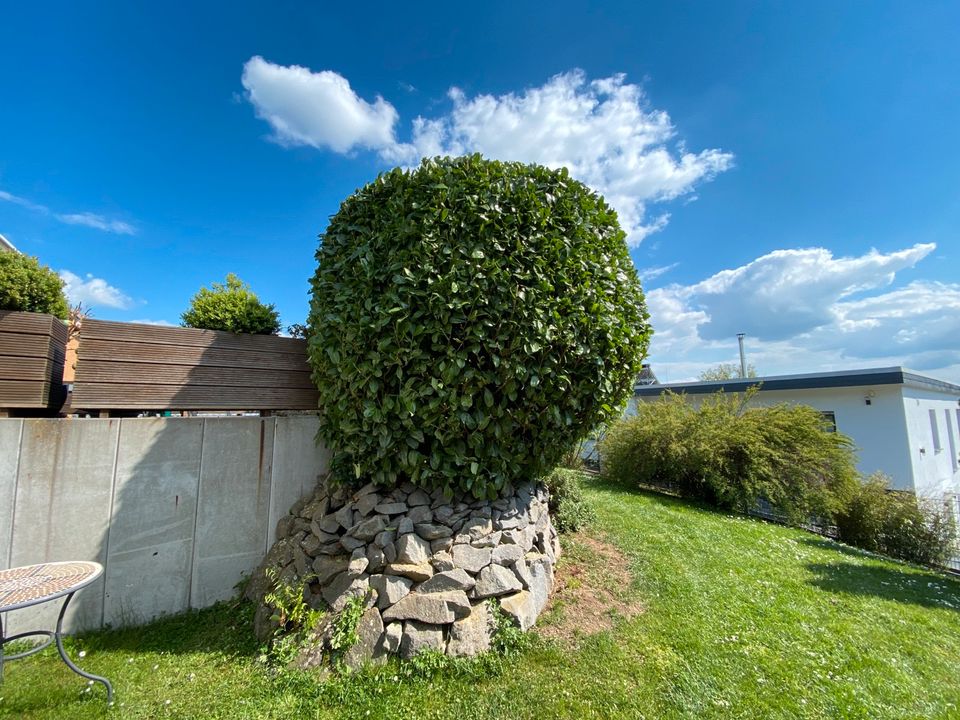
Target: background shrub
[(569, 510), (28, 286), (231, 307), (470, 320), (897, 523), (730, 455)]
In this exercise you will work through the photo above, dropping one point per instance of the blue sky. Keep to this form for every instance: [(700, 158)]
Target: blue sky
[(787, 170)]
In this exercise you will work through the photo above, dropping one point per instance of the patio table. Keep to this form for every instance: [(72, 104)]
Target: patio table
[(24, 587)]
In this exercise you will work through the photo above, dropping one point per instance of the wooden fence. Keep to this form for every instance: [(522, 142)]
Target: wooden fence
[(32, 349), (126, 366)]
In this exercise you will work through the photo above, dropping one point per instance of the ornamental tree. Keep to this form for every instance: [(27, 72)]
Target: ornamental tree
[(232, 307), (470, 320), (28, 286)]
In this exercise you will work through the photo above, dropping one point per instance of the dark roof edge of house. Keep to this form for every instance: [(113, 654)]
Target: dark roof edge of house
[(806, 381)]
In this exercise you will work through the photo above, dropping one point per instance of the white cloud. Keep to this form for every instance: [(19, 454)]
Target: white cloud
[(602, 130), (99, 222), (318, 109), (652, 273), (806, 311), (22, 202), (787, 292), (93, 291)]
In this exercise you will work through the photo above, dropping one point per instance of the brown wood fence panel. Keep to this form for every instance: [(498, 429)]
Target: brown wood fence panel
[(126, 366), (32, 350)]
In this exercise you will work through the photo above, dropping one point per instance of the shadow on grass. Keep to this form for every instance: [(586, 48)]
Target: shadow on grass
[(910, 586), (225, 629)]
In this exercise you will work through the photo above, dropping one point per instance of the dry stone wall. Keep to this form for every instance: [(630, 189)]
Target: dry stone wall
[(425, 566)]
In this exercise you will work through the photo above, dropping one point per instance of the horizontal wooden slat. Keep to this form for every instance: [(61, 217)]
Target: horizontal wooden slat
[(156, 397), (32, 324), (158, 374), (25, 368), (25, 345), (115, 350), (190, 337), (24, 394), (125, 366)]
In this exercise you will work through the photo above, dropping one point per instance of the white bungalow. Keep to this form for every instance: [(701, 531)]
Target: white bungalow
[(904, 424)]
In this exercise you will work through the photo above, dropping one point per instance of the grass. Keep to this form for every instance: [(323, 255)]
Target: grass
[(742, 619)]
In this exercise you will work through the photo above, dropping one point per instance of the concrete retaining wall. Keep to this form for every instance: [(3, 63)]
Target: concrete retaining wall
[(177, 510)]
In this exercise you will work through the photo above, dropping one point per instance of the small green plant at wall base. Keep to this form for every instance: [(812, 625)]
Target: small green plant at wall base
[(28, 286), (508, 639), (569, 509), (470, 320), (291, 613), (231, 307), (343, 635)]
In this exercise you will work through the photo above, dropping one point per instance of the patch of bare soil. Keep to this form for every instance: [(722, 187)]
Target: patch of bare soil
[(592, 589)]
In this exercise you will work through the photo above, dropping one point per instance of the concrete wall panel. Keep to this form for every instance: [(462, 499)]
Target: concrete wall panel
[(64, 491), (233, 505), (10, 430), (150, 545), (298, 463), (176, 509)]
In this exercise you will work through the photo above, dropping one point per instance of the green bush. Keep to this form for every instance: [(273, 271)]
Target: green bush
[(732, 456), (897, 523), (470, 321), (568, 508), (28, 286), (231, 307)]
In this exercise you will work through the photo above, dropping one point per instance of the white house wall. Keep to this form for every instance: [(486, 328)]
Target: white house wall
[(935, 471)]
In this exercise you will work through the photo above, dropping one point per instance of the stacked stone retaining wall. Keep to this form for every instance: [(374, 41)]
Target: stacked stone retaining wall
[(426, 566)]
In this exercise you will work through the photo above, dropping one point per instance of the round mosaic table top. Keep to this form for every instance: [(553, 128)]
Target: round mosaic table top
[(24, 586)]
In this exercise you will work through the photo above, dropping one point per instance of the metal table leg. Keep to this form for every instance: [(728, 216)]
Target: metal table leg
[(59, 638)]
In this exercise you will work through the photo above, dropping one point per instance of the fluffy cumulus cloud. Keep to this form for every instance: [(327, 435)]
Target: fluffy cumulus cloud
[(93, 291), (805, 311), (318, 109), (602, 130), (87, 219)]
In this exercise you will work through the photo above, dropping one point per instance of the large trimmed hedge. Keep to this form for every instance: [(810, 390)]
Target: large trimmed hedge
[(470, 320)]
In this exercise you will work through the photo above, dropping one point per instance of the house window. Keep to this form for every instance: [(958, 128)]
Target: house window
[(829, 420), (934, 428), (951, 441)]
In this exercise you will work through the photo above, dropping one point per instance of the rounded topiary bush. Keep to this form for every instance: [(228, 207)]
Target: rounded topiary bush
[(470, 320)]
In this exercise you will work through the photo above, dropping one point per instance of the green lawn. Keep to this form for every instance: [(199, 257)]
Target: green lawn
[(743, 620)]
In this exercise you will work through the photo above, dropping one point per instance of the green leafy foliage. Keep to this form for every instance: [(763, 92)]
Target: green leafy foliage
[(569, 509), (231, 307), (470, 321), (897, 523), (343, 632), (508, 640), (293, 617), (28, 286), (730, 455)]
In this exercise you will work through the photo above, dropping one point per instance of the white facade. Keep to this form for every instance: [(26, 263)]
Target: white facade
[(904, 425)]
